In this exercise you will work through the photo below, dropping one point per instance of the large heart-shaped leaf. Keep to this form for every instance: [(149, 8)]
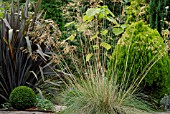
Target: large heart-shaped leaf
[(118, 31), (105, 45), (92, 12)]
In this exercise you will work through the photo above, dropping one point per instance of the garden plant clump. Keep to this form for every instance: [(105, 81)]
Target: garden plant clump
[(22, 98), (45, 104), (137, 49)]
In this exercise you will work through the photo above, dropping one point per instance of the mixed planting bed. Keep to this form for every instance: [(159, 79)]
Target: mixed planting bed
[(85, 57)]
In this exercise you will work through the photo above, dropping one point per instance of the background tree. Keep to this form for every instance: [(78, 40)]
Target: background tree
[(157, 13), (53, 10)]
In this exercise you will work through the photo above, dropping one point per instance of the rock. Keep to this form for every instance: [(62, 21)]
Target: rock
[(59, 108)]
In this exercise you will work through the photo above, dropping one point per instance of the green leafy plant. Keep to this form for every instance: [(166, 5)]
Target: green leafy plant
[(4, 6), (138, 10), (22, 98), (101, 37), (7, 105), (139, 47), (45, 104)]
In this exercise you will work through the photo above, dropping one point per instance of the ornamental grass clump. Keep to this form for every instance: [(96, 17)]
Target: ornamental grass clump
[(138, 48), (22, 98), (98, 95)]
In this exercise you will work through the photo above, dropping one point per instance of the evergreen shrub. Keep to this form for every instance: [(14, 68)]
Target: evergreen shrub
[(138, 48), (22, 98)]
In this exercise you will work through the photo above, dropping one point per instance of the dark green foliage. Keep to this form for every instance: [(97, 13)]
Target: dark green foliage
[(168, 11), (53, 10), (22, 98), (138, 47), (115, 7), (157, 13), (152, 6)]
